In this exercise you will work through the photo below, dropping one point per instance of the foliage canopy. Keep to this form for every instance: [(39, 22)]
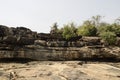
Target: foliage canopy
[(69, 31), (93, 27), (108, 37)]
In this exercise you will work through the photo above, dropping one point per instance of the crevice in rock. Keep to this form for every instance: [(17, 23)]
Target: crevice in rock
[(16, 60)]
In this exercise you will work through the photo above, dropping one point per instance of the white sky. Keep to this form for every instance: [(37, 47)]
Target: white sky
[(39, 15)]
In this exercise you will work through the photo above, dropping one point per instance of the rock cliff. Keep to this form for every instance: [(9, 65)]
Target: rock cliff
[(21, 42)]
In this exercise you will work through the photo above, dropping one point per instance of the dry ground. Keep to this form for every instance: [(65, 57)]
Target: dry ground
[(60, 70)]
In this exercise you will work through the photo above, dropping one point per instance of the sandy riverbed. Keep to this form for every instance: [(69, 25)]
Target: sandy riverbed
[(60, 70)]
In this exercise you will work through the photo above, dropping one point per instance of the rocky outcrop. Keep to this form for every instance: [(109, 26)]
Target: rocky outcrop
[(21, 42), (16, 36)]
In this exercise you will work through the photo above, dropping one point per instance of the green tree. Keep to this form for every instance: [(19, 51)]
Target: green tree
[(103, 28), (69, 31), (87, 29), (109, 37), (110, 28), (116, 29)]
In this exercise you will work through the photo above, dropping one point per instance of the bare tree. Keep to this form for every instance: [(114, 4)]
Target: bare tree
[(96, 20), (54, 28), (117, 21)]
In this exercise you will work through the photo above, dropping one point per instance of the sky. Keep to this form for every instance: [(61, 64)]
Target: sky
[(39, 15)]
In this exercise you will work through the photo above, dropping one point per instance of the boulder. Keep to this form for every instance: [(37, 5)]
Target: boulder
[(25, 41), (9, 40), (40, 42), (5, 31), (57, 44), (91, 41), (17, 36)]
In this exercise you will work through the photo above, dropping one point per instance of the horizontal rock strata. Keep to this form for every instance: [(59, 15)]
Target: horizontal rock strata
[(21, 42)]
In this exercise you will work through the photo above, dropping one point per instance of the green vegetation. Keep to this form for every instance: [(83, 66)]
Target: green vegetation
[(69, 31), (87, 29), (93, 27), (108, 37)]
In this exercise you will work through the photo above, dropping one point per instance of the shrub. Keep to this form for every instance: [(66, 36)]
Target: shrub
[(109, 37), (110, 28), (69, 31), (116, 29), (87, 30)]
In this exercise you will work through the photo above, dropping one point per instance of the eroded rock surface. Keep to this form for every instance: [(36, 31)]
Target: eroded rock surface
[(22, 42), (67, 70)]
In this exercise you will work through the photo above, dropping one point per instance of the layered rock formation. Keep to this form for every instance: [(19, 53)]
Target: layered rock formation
[(21, 42)]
